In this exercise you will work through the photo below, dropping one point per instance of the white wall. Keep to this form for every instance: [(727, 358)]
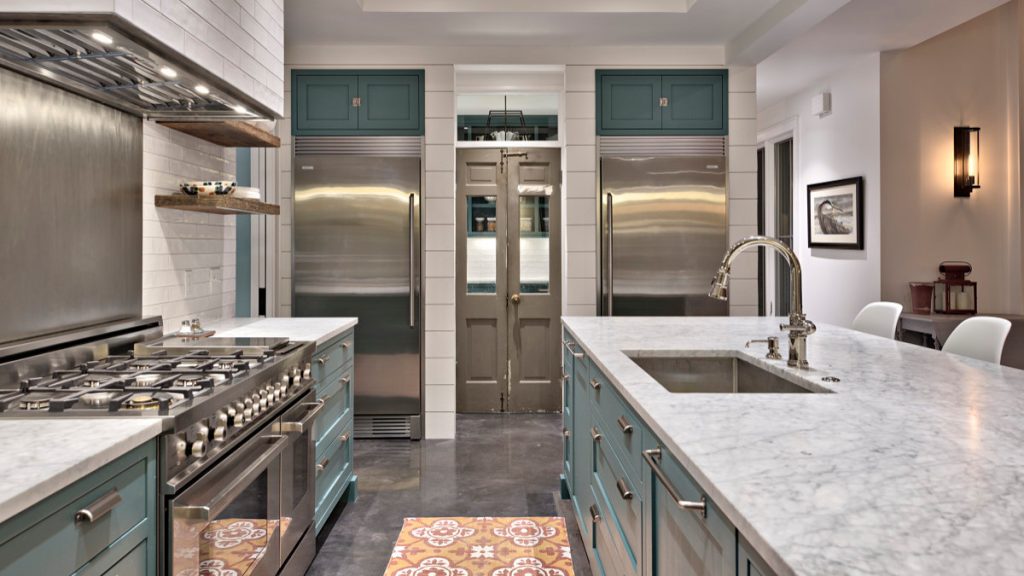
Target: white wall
[(241, 41), (188, 258), (845, 144)]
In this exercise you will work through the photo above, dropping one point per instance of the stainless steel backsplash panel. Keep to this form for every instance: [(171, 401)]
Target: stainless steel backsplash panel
[(70, 211)]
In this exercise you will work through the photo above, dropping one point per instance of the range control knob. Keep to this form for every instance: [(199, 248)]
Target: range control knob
[(219, 432), (180, 448), (203, 432), (198, 448), (247, 415), (307, 372), (281, 390), (264, 403)]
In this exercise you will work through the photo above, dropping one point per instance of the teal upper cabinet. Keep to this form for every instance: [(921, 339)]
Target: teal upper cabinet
[(357, 102), (662, 102), (323, 104)]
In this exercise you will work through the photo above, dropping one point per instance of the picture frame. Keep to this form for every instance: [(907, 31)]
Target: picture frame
[(835, 214)]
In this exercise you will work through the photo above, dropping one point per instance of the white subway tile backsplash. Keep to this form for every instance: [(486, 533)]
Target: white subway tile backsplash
[(581, 291), (439, 290), (581, 211), (439, 264), (438, 371), (439, 78), (581, 310), (580, 105), (581, 185), (581, 265), (440, 184), (743, 79), (439, 317), (743, 185), (742, 105), (580, 78), (581, 238), (742, 212), (439, 344), (440, 131), (439, 238), (743, 158), (440, 158), (439, 105), (580, 158), (439, 398), (439, 425), (439, 211), (580, 132)]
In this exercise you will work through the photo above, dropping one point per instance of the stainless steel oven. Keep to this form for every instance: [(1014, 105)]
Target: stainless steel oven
[(252, 512)]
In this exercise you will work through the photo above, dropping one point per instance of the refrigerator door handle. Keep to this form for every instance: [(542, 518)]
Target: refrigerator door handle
[(412, 260), (611, 254)]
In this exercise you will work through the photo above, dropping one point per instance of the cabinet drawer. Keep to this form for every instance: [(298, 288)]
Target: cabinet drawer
[(624, 500), (607, 554), (337, 407), (332, 356), (133, 564), (333, 472), (58, 544), (622, 429)]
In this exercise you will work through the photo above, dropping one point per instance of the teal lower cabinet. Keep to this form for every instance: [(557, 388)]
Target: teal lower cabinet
[(626, 490), (54, 537), (333, 369)]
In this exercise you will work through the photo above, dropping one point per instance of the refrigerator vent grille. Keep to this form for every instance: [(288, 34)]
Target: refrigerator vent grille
[(383, 427), (662, 145), (360, 145)]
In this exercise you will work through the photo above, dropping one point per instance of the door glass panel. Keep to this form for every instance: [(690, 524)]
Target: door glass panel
[(481, 244), (234, 541), (534, 239), (783, 221), (496, 116)]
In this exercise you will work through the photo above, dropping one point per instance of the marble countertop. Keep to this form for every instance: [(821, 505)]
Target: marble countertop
[(318, 330), (914, 465), (43, 455)]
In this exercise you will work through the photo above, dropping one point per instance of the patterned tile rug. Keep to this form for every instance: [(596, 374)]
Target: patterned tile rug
[(537, 546)]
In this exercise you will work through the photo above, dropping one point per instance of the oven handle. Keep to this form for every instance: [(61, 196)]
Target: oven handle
[(300, 427), (220, 501)]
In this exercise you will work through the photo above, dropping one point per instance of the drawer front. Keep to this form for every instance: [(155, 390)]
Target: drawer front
[(332, 355), (686, 541), (624, 499), (337, 407), (607, 553), (57, 544), (133, 564), (333, 473), (622, 429)]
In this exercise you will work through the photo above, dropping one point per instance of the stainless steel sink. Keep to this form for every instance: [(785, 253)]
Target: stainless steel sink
[(717, 375)]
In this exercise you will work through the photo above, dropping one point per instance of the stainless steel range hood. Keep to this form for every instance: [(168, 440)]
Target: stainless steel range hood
[(108, 59)]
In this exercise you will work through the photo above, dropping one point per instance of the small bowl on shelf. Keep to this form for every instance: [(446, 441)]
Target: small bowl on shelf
[(207, 187)]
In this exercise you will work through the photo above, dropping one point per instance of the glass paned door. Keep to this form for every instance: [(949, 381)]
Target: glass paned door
[(508, 280)]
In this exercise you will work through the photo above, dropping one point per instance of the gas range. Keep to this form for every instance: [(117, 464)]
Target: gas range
[(209, 392)]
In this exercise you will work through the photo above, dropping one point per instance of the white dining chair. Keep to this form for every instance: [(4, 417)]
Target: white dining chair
[(980, 337), (879, 318)]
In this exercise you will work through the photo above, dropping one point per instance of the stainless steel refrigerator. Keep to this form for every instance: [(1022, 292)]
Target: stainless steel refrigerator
[(357, 253), (664, 226)]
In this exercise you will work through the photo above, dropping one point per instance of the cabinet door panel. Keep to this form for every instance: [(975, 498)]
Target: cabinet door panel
[(696, 103), (629, 102), (390, 103), (323, 104)]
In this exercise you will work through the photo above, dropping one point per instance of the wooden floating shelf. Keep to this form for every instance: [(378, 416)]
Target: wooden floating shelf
[(227, 133), (226, 205)]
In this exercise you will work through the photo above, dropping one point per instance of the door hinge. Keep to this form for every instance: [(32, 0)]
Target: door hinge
[(663, 102), (357, 102)]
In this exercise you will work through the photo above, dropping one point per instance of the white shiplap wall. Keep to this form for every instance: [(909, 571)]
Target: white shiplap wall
[(580, 298), (188, 258), (241, 41)]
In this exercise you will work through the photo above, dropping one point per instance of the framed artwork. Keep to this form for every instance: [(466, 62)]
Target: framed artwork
[(835, 214)]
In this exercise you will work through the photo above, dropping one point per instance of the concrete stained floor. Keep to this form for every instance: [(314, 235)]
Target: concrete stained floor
[(499, 465)]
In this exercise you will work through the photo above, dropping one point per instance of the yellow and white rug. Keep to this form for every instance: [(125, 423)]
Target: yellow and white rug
[(537, 546)]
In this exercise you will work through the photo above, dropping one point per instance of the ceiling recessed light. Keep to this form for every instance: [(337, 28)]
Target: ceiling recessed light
[(240, 109), (168, 72), (202, 89), (102, 38)]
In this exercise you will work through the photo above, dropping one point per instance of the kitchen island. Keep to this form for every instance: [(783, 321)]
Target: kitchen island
[(904, 460)]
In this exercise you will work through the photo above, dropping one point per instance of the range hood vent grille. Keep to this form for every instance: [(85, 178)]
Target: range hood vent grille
[(124, 69)]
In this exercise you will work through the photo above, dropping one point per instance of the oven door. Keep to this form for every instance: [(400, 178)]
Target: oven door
[(298, 482), (229, 521)]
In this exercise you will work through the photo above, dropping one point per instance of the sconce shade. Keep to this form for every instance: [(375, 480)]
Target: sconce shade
[(966, 160)]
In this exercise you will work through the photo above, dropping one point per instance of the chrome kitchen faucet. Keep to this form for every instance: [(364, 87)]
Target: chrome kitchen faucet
[(799, 326)]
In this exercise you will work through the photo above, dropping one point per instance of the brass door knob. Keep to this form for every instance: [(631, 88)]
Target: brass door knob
[(515, 298)]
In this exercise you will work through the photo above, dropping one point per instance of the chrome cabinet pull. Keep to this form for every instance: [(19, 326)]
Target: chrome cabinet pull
[(565, 377), (595, 434), (99, 508), (627, 428), (323, 359), (624, 490), (343, 438), (571, 347), (357, 102), (345, 345), (595, 384), (322, 465), (344, 380), (594, 515), (300, 426), (565, 432), (700, 507)]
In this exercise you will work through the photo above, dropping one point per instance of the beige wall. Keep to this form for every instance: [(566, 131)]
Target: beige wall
[(968, 75)]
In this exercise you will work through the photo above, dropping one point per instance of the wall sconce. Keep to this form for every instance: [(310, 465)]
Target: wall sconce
[(966, 159)]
